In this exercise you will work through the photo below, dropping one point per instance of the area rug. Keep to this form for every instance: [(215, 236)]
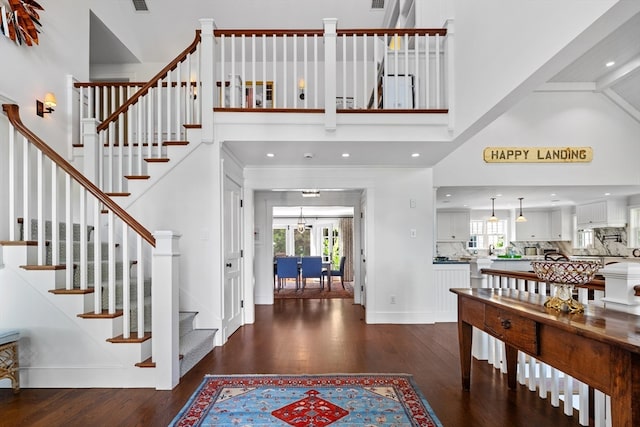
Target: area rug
[(314, 290), (307, 401)]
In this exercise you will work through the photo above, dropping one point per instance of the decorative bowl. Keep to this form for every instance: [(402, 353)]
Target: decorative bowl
[(564, 275), (566, 272)]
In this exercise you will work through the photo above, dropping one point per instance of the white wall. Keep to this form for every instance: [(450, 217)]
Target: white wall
[(492, 69), (186, 201), (397, 264), (27, 73), (551, 119)]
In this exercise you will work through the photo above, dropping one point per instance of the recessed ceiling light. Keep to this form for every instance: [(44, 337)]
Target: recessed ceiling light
[(415, 155), (345, 154), (447, 195), (270, 155), (610, 63), (607, 194)]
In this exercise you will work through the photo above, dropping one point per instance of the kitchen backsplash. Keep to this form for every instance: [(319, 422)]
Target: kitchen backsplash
[(608, 241)]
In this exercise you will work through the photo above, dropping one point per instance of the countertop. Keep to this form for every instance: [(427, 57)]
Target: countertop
[(451, 261)]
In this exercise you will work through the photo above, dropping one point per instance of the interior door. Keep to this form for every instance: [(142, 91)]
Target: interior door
[(233, 296), (363, 254)]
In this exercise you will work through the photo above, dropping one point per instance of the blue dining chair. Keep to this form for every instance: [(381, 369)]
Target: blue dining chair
[(287, 268), (311, 269), (335, 273)]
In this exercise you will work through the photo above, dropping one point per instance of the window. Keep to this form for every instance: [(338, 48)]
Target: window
[(279, 241), (485, 233), (584, 239), (302, 242)]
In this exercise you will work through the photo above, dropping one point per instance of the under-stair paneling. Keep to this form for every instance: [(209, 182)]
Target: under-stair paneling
[(57, 348), (447, 276), (185, 199)]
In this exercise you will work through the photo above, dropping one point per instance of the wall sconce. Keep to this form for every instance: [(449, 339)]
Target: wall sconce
[(46, 106), (301, 86), (395, 43), (521, 217)]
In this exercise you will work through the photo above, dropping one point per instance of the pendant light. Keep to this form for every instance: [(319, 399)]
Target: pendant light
[(521, 217), (493, 217), (301, 223)]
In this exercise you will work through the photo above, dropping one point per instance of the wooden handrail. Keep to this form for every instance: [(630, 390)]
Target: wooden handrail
[(151, 83), (350, 32), (394, 31), (125, 84), (595, 284), (251, 32), (13, 113)]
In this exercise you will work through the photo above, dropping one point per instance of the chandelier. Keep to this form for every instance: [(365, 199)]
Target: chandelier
[(301, 223)]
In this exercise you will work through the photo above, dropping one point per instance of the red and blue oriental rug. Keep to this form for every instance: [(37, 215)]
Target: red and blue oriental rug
[(307, 401)]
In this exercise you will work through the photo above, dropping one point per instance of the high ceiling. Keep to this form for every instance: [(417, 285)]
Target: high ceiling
[(620, 82)]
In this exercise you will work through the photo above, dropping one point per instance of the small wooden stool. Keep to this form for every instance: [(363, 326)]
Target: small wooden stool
[(9, 357)]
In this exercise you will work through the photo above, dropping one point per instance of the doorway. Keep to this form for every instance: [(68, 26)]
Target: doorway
[(325, 232)]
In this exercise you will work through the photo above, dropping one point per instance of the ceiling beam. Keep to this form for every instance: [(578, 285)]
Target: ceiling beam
[(622, 72)]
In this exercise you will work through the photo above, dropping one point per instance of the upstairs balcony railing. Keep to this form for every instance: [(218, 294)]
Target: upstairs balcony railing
[(365, 69), (326, 71)]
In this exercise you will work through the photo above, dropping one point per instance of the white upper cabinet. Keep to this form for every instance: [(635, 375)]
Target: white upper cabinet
[(561, 225), (605, 213), (537, 227), (453, 226)]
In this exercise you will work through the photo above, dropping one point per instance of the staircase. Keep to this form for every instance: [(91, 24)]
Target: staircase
[(76, 334)]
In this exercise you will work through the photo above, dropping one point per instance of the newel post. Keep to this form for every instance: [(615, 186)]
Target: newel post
[(620, 280), (207, 77), (330, 26), (164, 313), (91, 142)]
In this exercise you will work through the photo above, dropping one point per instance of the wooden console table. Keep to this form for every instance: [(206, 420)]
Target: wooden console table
[(599, 347)]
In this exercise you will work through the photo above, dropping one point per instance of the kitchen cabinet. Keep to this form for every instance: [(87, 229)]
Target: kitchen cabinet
[(536, 228), (560, 224), (604, 213), (453, 226)]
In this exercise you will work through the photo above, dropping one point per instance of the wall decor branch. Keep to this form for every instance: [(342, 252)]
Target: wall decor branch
[(20, 21)]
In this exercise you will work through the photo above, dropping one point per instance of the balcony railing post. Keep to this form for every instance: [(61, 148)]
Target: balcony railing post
[(207, 77), (164, 316), (91, 145), (449, 72), (330, 25)]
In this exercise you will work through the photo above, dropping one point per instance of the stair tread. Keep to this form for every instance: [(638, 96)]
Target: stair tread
[(72, 291), (104, 315), (19, 242), (132, 339), (194, 338), (44, 267)]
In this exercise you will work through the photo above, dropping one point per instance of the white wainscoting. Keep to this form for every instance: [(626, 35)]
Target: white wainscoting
[(447, 276)]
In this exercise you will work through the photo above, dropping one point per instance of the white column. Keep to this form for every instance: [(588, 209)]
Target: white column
[(330, 25), (164, 314), (91, 144), (480, 340), (207, 76), (620, 278)]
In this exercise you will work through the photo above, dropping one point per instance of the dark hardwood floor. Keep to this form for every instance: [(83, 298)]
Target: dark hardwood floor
[(306, 336)]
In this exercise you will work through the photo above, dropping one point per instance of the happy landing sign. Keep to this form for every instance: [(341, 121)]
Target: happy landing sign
[(538, 154)]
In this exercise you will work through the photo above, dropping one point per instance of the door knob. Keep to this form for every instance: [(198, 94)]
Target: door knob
[(228, 264)]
